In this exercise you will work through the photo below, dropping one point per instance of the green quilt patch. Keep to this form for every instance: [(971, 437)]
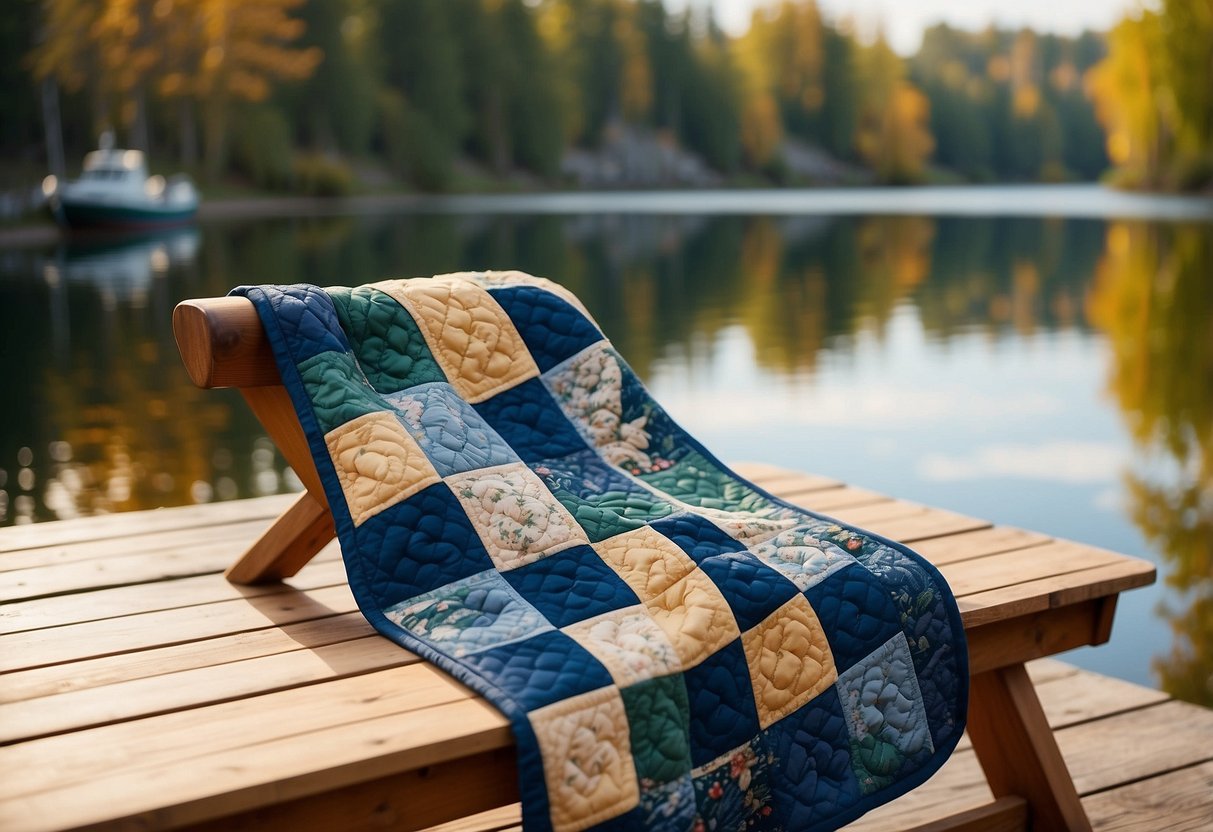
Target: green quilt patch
[(387, 341), (698, 481), (658, 713), (611, 512), (338, 394)]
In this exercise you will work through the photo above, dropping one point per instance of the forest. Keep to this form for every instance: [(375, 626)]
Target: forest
[(325, 96)]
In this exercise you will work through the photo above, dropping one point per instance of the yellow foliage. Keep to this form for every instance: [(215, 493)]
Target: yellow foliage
[(1064, 76), (780, 57), (1026, 101), (893, 135), (1151, 301), (999, 68), (194, 48), (1023, 59), (761, 130), (1123, 86), (955, 74), (637, 81)]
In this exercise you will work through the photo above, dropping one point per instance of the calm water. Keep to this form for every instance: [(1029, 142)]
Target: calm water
[(1054, 373)]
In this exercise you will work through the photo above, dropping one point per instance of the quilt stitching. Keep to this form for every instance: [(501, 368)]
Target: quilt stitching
[(675, 648)]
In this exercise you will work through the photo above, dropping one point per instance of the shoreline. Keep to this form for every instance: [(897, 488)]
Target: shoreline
[(1082, 201)]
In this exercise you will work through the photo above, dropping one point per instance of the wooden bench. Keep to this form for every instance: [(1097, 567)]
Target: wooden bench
[(150, 693)]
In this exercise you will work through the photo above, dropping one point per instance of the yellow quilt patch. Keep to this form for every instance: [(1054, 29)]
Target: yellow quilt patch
[(587, 759), (377, 463), (695, 617), (646, 559), (470, 335), (790, 660)]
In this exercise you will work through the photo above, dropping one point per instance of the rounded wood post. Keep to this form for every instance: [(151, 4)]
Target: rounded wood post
[(223, 344)]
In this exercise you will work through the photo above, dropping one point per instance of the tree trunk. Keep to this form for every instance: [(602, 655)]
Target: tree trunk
[(139, 130), (53, 127), (189, 132), (214, 130), (499, 140)]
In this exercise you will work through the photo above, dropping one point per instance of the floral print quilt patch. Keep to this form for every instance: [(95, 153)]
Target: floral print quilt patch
[(675, 648)]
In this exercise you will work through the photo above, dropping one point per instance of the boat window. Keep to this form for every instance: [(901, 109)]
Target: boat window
[(105, 173)]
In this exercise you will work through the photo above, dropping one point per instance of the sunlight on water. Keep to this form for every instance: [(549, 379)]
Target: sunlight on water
[(1055, 374)]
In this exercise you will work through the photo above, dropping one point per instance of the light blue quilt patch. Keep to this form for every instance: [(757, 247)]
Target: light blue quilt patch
[(453, 435), (884, 713), (469, 615), (802, 558)]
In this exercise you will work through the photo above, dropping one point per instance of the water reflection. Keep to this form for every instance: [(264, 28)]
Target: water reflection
[(784, 310), (94, 368), (1153, 298), (101, 419)]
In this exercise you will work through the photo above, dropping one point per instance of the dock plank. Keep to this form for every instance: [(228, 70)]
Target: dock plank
[(1078, 696), (135, 524), (103, 573), (140, 664), (74, 552), (1131, 746), (1054, 591), (164, 693), (55, 763), (1180, 801), (282, 769), (156, 629), (115, 602)]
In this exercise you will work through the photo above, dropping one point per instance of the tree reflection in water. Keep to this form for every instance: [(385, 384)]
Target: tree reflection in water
[(1152, 297), (101, 417)]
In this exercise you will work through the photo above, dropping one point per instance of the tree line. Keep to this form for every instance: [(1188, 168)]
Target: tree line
[(291, 93)]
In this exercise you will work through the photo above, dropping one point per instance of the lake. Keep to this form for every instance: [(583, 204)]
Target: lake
[(1038, 356)]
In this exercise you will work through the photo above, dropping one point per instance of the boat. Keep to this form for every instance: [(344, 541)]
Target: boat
[(114, 191)]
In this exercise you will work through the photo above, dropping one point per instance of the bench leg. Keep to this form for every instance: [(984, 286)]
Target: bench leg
[(307, 526), (1017, 751), (285, 547)]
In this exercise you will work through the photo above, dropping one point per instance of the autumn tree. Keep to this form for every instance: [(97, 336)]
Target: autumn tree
[(243, 48), (105, 48), (212, 52), (893, 134), (1153, 95), (799, 74)]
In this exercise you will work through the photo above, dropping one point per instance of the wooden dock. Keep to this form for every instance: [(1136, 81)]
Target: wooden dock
[(1118, 741), (139, 689)]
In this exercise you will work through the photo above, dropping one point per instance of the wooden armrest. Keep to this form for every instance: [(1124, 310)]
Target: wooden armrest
[(223, 344)]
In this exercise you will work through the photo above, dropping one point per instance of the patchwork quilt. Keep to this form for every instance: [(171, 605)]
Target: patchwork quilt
[(676, 648)]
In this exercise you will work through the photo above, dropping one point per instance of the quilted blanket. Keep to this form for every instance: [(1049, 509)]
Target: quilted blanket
[(675, 648)]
